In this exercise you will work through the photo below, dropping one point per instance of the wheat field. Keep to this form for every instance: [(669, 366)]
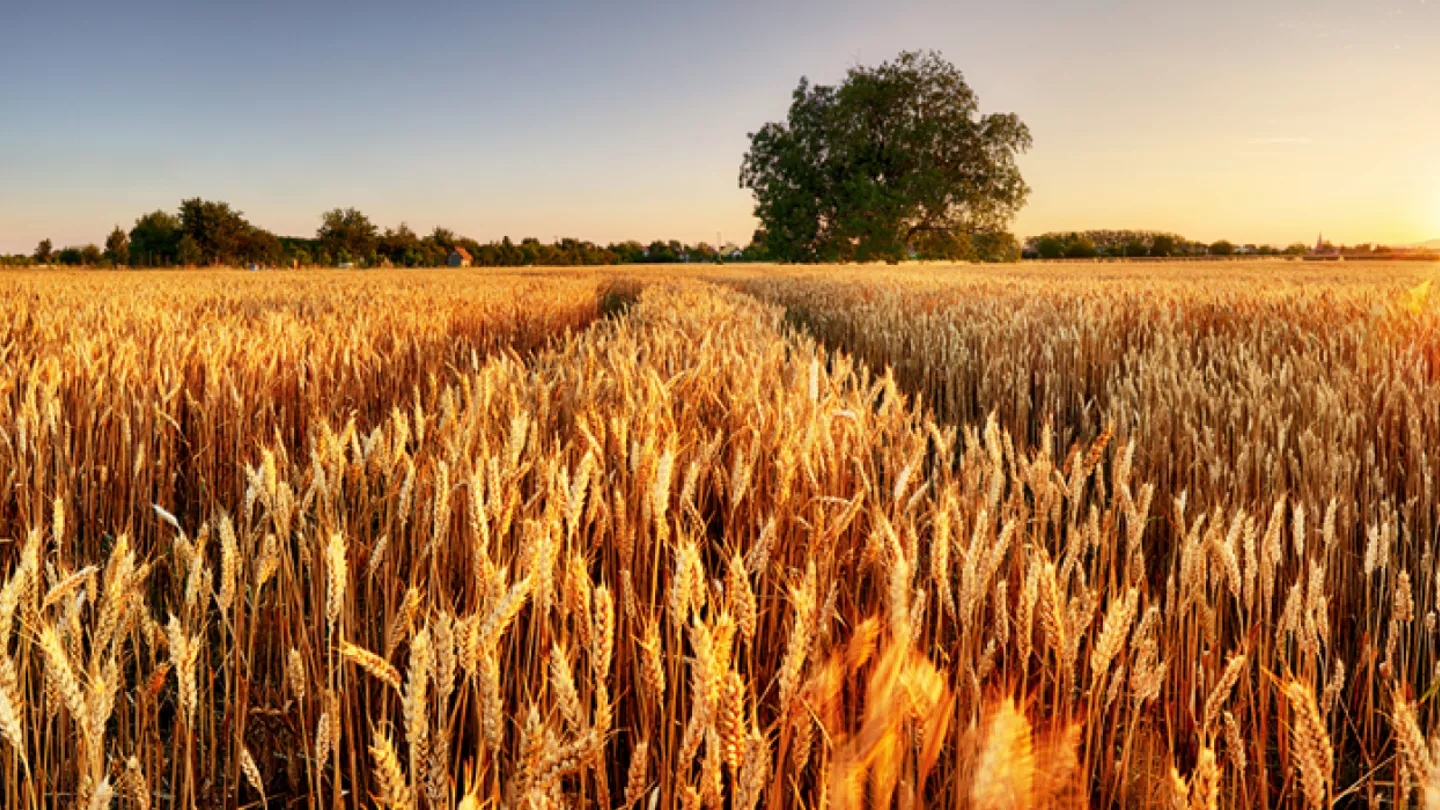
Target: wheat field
[(1033, 537)]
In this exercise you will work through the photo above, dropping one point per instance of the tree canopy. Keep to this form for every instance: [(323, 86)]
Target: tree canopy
[(217, 230), (348, 235), (117, 247), (155, 239), (895, 161)]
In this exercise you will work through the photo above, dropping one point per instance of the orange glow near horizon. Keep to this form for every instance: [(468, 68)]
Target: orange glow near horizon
[(1260, 191)]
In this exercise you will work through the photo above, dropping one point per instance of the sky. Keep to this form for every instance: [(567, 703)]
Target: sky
[(1259, 121)]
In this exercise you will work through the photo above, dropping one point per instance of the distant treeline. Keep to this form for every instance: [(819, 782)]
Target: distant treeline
[(207, 233), (1141, 244), (1161, 245)]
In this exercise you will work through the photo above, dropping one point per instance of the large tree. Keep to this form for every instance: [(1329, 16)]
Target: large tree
[(895, 157), (44, 252)]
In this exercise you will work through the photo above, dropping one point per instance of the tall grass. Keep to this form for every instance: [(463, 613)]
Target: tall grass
[(689, 557), (1286, 424)]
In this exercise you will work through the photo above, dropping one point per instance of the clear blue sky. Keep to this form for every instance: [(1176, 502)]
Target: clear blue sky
[(1257, 121)]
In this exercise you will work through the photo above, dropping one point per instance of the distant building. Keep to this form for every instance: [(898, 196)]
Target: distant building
[(1323, 252), (459, 257)]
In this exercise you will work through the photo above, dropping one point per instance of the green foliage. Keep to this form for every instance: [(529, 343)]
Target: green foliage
[(1137, 244), (117, 247), (703, 252), (443, 238), (934, 246), (629, 252), (261, 247), (1297, 249), (1081, 247), (217, 230), (348, 235), (1049, 246), (1000, 247), (664, 252), (155, 240), (757, 250), (896, 158), (297, 250), (401, 247), (1110, 243), (187, 251), (44, 252)]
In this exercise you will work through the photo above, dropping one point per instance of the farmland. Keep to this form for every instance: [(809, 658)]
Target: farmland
[(1113, 535)]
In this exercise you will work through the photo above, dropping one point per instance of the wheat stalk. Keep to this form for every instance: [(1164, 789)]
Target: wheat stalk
[(371, 663), (1314, 756)]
